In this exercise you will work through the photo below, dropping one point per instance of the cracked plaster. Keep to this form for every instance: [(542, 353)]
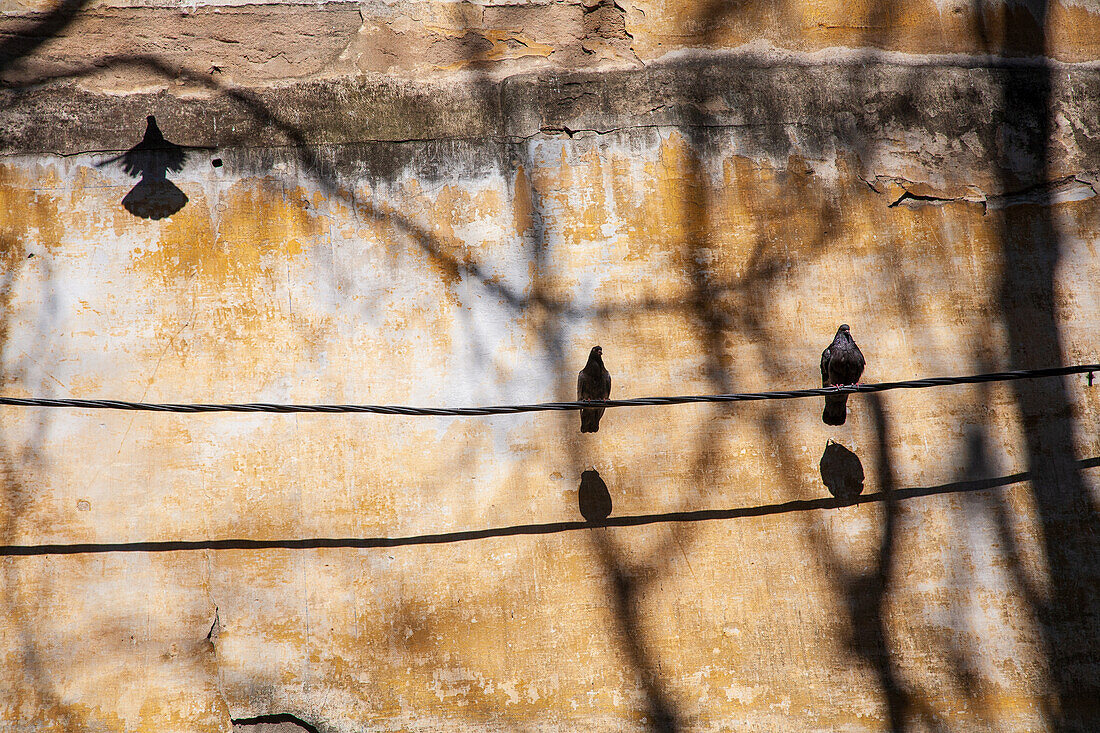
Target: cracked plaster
[(488, 219)]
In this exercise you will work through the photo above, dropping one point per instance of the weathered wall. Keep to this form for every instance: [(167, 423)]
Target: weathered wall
[(448, 204)]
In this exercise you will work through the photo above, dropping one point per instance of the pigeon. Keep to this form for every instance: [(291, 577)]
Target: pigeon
[(593, 383), (841, 363)]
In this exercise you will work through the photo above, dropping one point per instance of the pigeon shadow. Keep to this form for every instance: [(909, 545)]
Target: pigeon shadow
[(154, 196), (593, 497), (841, 472)]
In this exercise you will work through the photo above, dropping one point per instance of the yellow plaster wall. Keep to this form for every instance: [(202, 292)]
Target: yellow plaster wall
[(435, 574), (695, 274)]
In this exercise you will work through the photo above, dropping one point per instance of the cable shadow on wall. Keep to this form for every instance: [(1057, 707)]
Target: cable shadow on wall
[(1066, 573), (636, 520), (1032, 246)]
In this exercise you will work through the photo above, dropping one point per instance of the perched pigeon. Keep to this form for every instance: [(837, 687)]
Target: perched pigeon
[(593, 383), (841, 363)]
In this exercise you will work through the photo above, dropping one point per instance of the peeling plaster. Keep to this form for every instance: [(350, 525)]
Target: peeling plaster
[(272, 723), (440, 203), (1052, 193)]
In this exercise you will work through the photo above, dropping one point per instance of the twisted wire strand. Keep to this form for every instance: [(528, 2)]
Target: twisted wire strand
[(549, 406)]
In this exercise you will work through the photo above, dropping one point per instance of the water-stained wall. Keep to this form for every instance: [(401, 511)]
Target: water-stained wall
[(448, 204)]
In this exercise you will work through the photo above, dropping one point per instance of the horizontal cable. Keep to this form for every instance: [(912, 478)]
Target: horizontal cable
[(547, 406)]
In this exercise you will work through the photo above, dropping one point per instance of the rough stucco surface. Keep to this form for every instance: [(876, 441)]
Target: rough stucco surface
[(449, 204)]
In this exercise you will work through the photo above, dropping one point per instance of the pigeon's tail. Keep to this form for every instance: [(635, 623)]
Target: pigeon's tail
[(590, 421), (836, 409)]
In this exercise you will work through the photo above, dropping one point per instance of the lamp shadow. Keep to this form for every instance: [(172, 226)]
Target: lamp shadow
[(154, 196)]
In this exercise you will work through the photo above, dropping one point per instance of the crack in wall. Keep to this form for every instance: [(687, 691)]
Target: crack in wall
[(215, 627), (1075, 187), (212, 638), (273, 723), (814, 121), (551, 130), (266, 723), (912, 200), (546, 131)]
